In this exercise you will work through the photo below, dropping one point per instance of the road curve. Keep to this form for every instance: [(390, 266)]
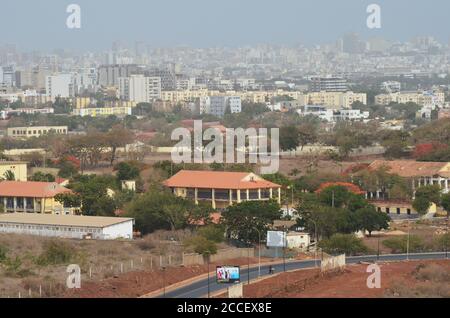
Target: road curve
[(199, 288)]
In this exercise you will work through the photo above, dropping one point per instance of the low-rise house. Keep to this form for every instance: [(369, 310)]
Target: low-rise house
[(222, 189), (401, 208), (34, 197), (420, 173), (35, 131), (72, 226)]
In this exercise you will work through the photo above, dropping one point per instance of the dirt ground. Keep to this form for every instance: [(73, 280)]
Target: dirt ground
[(136, 284), (350, 283)]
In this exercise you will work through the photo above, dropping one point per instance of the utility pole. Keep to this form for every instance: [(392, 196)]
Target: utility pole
[(209, 290), (407, 242), (248, 266)]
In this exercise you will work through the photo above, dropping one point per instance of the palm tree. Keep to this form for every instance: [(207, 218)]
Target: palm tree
[(9, 176)]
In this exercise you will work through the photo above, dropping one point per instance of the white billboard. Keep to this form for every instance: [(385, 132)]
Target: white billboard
[(276, 239)]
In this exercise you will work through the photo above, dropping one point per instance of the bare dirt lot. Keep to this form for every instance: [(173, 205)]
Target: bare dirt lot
[(136, 284), (402, 279)]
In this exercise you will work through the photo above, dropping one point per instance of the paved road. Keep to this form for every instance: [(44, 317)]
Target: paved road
[(200, 289)]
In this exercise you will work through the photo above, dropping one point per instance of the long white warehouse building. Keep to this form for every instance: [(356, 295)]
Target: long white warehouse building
[(67, 226)]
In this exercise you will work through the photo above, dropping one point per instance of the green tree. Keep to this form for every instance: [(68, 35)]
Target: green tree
[(445, 203), (243, 221), (370, 219), (289, 138), (127, 171), (156, 210), (425, 197), (44, 177)]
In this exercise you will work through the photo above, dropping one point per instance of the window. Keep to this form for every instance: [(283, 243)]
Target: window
[(398, 210), (408, 211), (388, 210)]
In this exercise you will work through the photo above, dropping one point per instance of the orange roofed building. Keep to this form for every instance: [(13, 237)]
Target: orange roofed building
[(222, 189), (33, 197), (349, 186)]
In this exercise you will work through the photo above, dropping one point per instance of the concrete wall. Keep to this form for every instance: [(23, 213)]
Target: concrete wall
[(332, 263), (122, 230)]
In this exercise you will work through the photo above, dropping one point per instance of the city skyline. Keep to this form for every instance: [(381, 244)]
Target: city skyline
[(206, 24)]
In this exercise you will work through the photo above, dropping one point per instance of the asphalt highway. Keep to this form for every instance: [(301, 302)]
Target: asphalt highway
[(199, 289)]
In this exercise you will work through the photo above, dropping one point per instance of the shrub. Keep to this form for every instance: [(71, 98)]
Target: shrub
[(213, 233), (3, 252), (399, 244), (146, 244), (202, 245), (55, 253), (343, 243)]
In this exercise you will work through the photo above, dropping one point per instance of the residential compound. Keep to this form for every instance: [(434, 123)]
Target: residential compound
[(222, 189)]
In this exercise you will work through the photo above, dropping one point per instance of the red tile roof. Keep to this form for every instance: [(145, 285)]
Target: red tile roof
[(411, 168), (350, 187), (31, 189), (218, 180)]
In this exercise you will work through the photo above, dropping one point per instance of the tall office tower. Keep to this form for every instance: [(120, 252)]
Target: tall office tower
[(140, 89), (328, 84), (108, 75)]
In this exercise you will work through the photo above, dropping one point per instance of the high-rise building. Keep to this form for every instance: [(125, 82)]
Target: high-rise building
[(139, 88), (61, 85), (8, 76), (108, 75), (167, 75)]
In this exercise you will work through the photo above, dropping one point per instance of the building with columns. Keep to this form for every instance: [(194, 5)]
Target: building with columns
[(33, 197), (420, 173), (222, 189)]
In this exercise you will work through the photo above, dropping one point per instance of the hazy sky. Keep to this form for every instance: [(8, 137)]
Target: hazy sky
[(41, 24)]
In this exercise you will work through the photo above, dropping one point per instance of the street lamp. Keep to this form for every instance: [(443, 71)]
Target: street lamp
[(164, 280), (259, 251), (316, 245)]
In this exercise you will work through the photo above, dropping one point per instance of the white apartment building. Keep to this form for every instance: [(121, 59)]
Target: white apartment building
[(140, 89), (218, 105), (435, 98), (61, 85)]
